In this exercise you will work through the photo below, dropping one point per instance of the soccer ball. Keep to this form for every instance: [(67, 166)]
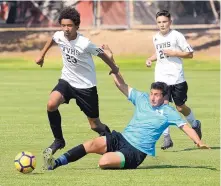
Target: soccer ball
[(25, 162)]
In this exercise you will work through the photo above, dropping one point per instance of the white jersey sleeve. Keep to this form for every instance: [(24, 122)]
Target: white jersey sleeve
[(56, 37), (182, 43), (93, 49)]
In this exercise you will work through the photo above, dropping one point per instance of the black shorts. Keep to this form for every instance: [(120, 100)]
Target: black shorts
[(178, 93), (133, 156), (86, 99)]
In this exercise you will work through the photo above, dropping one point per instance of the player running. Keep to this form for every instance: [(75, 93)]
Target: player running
[(78, 77), (170, 47)]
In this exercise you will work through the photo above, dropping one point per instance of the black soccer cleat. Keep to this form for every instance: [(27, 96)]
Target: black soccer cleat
[(198, 129), (57, 144), (167, 143)]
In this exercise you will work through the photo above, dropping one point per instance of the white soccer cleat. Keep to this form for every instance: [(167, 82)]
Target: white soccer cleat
[(49, 161)]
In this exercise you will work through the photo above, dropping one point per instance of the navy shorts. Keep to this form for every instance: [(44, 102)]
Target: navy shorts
[(86, 99), (133, 156), (178, 93)]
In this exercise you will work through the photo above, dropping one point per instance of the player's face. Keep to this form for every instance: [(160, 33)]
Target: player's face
[(69, 28), (156, 97), (163, 24)]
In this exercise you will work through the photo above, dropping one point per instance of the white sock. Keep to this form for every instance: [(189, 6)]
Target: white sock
[(166, 132), (191, 119)]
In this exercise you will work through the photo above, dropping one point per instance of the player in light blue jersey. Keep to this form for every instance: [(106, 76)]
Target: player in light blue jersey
[(128, 149)]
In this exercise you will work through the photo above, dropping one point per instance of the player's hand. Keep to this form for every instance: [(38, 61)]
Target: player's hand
[(107, 51), (148, 63), (203, 146), (39, 61), (169, 53)]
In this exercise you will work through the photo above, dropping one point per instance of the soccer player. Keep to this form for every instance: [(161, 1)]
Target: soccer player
[(78, 78), (128, 149), (170, 47)]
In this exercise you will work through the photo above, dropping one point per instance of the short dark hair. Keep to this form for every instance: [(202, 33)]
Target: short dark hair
[(70, 13), (163, 13), (160, 86)]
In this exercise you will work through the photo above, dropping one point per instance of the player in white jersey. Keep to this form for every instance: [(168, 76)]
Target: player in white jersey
[(78, 78), (128, 149), (170, 47)]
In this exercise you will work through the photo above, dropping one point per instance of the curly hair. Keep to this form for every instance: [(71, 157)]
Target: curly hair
[(70, 13)]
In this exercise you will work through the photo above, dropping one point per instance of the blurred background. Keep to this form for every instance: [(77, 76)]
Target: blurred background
[(108, 14), (127, 26)]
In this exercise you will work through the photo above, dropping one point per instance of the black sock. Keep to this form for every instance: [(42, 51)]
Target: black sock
[(101, 131), (107, 129), (55, 123), (72, 155), (76, 153)]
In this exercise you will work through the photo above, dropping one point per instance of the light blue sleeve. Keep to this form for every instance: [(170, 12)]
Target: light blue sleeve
[(174, 117), (133, 95)]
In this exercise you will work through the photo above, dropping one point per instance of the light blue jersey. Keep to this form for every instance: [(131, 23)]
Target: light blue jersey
[(148, 123)]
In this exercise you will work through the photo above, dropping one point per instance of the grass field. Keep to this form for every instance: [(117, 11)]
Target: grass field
[(24, 126)]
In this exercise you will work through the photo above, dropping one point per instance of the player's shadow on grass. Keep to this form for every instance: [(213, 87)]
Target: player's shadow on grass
[(177, 167), (207, 45), (195, 148)]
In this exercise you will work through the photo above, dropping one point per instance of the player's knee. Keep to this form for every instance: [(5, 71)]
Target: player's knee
[(88, 145), (51, 106), (91, 146), (104, 162)]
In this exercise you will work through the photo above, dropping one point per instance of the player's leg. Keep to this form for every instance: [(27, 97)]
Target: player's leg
[(97, 145), (87, 100), (112, 160), (180, 97), (127, 157), (120, 153), (98, 127), (57, 97), (167, 141), (187, 112)]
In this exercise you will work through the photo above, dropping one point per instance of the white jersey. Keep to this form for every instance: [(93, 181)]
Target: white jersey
[(170, 69), (78, 66)]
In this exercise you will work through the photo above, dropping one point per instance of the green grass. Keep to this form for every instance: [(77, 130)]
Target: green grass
[(126, 62), (24, 126)]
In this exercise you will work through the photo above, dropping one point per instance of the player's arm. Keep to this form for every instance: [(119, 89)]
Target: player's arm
[(151, 59), (185, 51), (181, 54), (40, 59), (120, 83), (109, 62), (93, 49), (118, 79), (193, 135)]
